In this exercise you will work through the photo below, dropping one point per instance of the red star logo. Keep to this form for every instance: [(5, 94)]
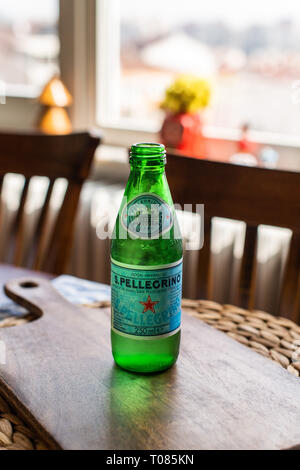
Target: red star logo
[(149, 305)]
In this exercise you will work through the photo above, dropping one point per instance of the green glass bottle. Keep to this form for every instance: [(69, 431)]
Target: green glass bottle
[(146, 268)]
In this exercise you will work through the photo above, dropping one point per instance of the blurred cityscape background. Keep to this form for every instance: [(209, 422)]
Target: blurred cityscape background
[(249, 50)]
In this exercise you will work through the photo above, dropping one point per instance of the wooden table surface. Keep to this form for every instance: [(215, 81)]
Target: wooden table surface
[(220, 394)]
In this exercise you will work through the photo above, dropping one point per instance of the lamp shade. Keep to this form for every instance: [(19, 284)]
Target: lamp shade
[(55, 93)]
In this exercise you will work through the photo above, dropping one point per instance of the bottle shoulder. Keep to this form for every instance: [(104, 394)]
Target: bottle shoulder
[(147, 208), (146, 252)]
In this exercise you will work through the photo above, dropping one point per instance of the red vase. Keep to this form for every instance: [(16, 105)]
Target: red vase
[(183, 132)]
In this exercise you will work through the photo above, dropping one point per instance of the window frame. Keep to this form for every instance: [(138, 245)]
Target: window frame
[(77, 31)]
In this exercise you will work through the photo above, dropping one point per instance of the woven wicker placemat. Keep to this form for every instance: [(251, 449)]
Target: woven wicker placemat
[(14, 434), (276, 338)]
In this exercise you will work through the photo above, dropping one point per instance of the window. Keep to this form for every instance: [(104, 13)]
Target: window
[(249, 50), (29, 45)]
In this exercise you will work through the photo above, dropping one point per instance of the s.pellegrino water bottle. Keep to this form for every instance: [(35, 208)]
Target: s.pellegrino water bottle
[(146, 268)]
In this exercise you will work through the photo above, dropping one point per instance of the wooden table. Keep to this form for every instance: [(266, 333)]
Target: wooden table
[(220, 394)]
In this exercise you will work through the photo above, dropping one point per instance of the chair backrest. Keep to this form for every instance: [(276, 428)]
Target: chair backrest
[(249, 194), (64, 156)]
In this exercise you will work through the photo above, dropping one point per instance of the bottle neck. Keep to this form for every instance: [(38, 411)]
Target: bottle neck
[(147, 167)]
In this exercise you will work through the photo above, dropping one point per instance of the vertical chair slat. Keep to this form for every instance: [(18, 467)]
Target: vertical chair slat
[(39, 241), (204, 263), (61, 240), (19, 226), (248, 269), (290, 296), (1, 186)]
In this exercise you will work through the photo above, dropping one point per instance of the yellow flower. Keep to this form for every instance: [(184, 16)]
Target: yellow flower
[(187, 94)]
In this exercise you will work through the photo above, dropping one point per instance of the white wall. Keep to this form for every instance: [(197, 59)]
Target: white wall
[(19, 113)]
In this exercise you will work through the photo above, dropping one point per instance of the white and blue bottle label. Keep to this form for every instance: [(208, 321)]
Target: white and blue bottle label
[(146, 300)]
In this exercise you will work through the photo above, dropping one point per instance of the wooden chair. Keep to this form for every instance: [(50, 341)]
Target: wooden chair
[(252, 195), (68, 156)]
